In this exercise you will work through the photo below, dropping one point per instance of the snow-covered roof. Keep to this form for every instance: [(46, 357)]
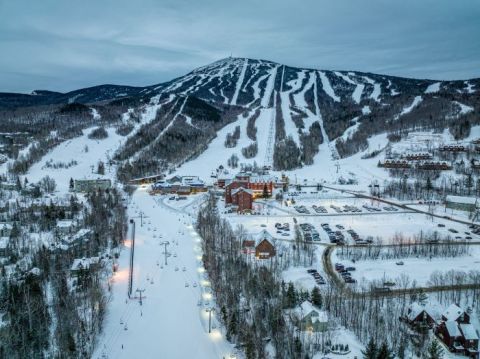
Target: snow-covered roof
[(452, 328), (416, 308), (461, 199), (6, 226), (4, 242), (84, 263), (65, 223), (453, 312), (249, 191), (264, 234), (307, 308), (469, 331)]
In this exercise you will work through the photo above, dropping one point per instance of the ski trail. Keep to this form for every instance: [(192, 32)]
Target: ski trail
[(376, 89), (327, 87), (239, 83), (326, 141), (269, 88), (357, 93)]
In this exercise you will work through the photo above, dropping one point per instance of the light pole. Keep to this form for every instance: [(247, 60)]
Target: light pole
[(210, 310)]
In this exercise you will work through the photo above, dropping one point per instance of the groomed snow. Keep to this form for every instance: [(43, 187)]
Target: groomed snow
[(170, 323), (435, 87)]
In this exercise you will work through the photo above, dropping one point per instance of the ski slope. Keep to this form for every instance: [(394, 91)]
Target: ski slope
[(172, 321)]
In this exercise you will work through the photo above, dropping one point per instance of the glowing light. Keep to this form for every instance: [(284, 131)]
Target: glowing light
[(200, 270), (199, 258), (205, 283), (216, 335), (121, 276), (127, 243), (207, 296)]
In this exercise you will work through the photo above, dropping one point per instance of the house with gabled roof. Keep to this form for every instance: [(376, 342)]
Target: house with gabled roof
[(310, 318), (455, 313)]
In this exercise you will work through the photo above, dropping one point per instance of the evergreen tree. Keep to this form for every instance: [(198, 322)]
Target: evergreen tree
[(435, 351), (429, 185), (384, 352), (18, 184), (291, 296), (72, 184), (370, 351), (265, 194), (316, 297)]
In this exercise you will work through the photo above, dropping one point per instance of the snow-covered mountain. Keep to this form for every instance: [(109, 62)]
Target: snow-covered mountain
[(284, 114)]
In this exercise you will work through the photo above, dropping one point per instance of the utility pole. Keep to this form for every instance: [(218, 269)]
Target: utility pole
[(140, 297), (166, 243)]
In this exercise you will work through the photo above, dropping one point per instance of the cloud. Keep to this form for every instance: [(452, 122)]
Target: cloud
[(62, 45)]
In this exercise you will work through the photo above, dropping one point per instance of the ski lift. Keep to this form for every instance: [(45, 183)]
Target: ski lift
[(187, 285), (125, 327)]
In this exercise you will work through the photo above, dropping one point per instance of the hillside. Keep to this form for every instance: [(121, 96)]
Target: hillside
[(279, 116)]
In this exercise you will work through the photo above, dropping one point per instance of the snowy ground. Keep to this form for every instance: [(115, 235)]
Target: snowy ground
[(384, 225), (172, 322), (418, 269)]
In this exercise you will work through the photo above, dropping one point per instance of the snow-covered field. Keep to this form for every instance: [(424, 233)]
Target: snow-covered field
[(418, 269)]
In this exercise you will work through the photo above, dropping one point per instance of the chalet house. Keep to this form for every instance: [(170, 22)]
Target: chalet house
[(470, 340), (457, 333), (81, 265), (243, 199), (457, 314), (310, 318), (450, 334), (420, 316), (264, 248)]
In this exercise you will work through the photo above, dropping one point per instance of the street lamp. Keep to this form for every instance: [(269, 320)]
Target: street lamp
[(209, 311)]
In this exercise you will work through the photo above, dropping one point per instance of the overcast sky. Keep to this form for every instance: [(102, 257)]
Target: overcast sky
[(66, 45)]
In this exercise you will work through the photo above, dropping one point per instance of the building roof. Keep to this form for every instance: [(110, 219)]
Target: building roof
[(307, 308), (4, 242), (241, 189), (416, 309), (453, 312), (469, 332), (84, 263), (452, 328), (6, 226), (65, 223), (461, 199), (264, 234), (248, 243)]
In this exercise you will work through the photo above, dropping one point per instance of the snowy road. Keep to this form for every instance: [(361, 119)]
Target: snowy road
[(172, 321)]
